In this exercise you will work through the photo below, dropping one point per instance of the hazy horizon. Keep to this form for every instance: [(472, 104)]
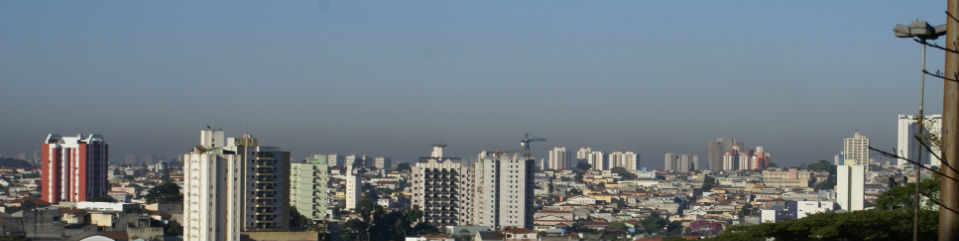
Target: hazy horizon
[(393, 78)]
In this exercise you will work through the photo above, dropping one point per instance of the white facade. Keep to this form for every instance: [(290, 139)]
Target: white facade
[(597, 160), (731, 160), (354, 187), (383, 163), (583, 153), (681, 163), (502, 194), (907, 145), (334, 160), (632, 161), (850, 184), (211, 200), (804, 208), (436, 188), (627, 160), (558, 159), (856, 149)]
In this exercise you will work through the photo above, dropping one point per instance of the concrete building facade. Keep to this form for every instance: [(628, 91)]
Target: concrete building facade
[(212, 191), (558, 159), (856, 149), (502, 195), (308, 187), (908, 146), (850, 186), (716, 150), (437, 188), (74, 168)]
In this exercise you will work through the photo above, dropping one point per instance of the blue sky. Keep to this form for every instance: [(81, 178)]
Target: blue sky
[(392, 77)]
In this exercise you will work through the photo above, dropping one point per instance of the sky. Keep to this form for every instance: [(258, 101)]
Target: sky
[(392, 78)]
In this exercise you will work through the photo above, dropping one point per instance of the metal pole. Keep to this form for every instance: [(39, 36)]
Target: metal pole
[(949, 221), (922, 130)]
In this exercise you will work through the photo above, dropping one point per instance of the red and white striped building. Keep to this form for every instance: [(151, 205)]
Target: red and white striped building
[(74, 168)]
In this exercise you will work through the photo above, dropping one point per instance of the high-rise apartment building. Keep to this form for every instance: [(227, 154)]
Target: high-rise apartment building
[(632, 161), (681, 163), (908, 146), (74, 168), (627, 160), (731, 160), (558, 159), (265, 172), (850, 185), (582, 155), (308, 187), (856, 149), (437, 188), (717, 149), (502, 192), (597, 161), (335, 160), (354, 186), (212, 201), (383, 163), (359, 161)]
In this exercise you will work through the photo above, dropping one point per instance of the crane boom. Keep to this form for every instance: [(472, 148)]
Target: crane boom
[(525, 143)]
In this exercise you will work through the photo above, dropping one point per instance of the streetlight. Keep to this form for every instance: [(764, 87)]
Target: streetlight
[(920, 31)]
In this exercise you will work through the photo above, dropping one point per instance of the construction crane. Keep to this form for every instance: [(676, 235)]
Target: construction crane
[(525, 143)]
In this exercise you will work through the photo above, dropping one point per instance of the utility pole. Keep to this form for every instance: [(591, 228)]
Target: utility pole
[(949, 188)]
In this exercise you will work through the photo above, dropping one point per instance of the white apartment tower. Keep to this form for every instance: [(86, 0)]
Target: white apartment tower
[(582, 155), (850, 184), (354, 187), (681, 163), (632, 161), (597, 161), (436, 188), (856, 149), (907, 145), (212, 202), (731, 159), (334, 160), (558, 159), (502, 194), (383, 163)]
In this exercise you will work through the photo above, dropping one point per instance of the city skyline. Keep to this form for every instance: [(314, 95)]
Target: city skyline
[(348, 77)]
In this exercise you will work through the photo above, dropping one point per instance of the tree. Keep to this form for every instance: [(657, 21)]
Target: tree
[(903, 197), (859, 225), (297, 220), (578, 177), (822, 165), (626, 175), (746, 210), (620, 202), (704, 227), (582, 167), (653, 223), (708, 183), (580, 228), (164, 193), (616, 226), (403, 167), (173, 229), (376, 223), (103, 199), (674, 228)]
